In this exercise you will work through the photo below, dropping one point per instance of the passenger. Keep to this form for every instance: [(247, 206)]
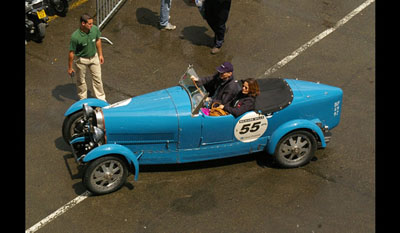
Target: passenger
[(245, 101), (222, 87)]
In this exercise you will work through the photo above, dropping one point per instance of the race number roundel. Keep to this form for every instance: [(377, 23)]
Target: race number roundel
[(250, 127)]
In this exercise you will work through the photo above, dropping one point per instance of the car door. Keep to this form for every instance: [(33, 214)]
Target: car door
[(217, 130)]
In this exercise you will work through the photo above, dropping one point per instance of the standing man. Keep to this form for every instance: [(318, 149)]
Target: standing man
[(164, 16), (85, 44), (216, 14)]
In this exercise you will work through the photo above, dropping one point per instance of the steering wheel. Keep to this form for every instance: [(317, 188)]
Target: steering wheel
[(195, 84)]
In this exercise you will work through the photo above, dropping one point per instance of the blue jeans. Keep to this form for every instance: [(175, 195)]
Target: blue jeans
[(164, 12)]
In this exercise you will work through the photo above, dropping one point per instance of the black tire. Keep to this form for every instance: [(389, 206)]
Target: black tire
[(105, 175), (61, 9), (71, 125), (295, 149), (40, 32)]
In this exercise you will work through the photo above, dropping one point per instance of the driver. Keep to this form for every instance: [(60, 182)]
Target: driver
[(222, 87)]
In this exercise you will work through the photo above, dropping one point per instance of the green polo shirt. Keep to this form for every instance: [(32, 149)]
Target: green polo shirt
[(83, 44)]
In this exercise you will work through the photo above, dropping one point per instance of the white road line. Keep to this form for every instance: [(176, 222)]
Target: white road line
[(59, 212), (316, 39), (271, 70)]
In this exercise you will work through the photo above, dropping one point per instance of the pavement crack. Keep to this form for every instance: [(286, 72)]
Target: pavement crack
[(323, 176), (112, 89)]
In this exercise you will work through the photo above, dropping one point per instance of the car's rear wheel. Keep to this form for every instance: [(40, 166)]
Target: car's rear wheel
[(105, 175), (295, 149)]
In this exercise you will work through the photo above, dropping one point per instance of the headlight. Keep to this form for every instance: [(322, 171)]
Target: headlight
[(100, 118), (98, 134), (100, 126), (87, 111)]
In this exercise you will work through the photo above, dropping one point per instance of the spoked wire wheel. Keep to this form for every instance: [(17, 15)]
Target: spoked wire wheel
[(295, 149), (105, 175)]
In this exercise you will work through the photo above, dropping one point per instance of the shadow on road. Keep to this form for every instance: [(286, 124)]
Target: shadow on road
[(197, 36), (67, 91), (261, 159), (147, 17)]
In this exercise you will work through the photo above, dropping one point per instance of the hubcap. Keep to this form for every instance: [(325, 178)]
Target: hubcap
[(107, 175), (295, 148)]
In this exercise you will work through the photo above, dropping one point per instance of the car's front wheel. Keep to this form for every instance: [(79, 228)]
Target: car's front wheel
[(295, 149), (105, 175), (73, 124)]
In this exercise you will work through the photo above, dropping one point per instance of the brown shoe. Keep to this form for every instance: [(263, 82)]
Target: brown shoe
[(215, 50)]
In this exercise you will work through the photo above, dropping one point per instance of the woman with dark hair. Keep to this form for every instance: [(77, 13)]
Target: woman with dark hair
[(244, 101)]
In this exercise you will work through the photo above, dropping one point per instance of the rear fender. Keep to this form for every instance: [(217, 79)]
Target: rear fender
[(93, 102), (108, 149), (291, 126)]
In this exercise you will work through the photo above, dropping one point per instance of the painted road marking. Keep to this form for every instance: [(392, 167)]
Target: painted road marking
[(271, 70), (316, 39), (59, 212)]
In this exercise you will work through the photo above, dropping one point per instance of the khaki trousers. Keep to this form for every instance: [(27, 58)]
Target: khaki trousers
[(93, 63)]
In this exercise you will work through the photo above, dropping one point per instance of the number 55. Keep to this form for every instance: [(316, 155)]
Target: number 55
[(252, 127)]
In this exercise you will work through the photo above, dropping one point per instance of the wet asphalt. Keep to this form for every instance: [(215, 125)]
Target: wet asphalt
[(333, 193)]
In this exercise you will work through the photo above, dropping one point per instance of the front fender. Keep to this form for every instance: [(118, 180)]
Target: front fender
[(93, 102), (290, 126), (114, 149)]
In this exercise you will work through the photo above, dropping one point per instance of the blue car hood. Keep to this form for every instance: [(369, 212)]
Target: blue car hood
[(152, 116)]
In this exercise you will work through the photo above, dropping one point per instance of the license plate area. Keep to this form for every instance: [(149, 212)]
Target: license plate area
[(41, 14)]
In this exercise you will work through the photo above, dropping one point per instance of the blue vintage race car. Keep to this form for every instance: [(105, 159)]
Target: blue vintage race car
[(293, 118)]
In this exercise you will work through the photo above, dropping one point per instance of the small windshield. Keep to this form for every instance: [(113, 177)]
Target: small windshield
[(196, 93)]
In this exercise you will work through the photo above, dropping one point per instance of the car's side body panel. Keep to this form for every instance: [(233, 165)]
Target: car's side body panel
[(217, 130), (221, 150), (148, 123), (189, 127)]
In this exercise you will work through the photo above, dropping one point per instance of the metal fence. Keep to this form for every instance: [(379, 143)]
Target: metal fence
[(105, 9)]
